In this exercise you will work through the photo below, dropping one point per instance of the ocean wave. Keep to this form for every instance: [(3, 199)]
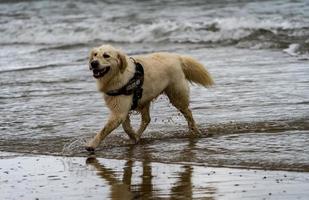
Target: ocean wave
[(79, 26), (29, 68), (41, 94), (226, 31)]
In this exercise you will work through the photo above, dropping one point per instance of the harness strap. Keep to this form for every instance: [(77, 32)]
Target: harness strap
[(134, 86)]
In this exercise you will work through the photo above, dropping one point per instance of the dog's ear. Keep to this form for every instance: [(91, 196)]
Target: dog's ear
[(122, 62)]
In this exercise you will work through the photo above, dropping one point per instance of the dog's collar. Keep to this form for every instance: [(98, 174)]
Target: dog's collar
[(134, 86)]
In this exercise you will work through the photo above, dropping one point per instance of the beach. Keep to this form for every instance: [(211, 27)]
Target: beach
[(254, 120)]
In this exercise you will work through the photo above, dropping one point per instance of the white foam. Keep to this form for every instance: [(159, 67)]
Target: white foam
[(229, 28), (292, 49), (74, 146)]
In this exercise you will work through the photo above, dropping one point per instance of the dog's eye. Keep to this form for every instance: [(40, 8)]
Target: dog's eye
[(105, 55), (95, 54)]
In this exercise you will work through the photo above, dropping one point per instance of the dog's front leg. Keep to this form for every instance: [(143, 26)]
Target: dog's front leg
[(114, 121)]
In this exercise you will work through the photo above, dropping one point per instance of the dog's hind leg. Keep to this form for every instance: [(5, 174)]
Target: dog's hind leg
[(145, 120), (126, 125), (191, 123), (178, 95)]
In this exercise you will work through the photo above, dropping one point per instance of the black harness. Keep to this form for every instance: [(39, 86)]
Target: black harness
[(134, 86)]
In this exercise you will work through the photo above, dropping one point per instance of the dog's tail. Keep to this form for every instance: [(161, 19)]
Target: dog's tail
[(195, 72)]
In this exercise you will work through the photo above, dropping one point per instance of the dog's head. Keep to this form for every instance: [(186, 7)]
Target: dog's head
[(106, 61)]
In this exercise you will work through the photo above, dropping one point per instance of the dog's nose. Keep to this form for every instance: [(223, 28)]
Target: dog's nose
[(94, 64)]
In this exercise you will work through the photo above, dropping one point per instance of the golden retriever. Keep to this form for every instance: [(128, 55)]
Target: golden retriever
[(164, 73)]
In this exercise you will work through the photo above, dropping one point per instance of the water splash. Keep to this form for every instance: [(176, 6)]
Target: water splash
[(74, 146)]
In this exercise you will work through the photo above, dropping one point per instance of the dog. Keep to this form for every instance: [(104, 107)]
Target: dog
[(132, 83)]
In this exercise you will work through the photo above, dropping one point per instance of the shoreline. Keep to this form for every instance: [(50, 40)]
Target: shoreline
[(251, 150)]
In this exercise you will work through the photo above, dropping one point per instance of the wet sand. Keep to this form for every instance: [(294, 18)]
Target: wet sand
[(43, 177)]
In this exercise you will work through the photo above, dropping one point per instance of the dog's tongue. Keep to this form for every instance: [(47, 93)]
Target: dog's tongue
[(98, 73)]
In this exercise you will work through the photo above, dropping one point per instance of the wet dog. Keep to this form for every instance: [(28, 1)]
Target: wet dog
[(132, 83)]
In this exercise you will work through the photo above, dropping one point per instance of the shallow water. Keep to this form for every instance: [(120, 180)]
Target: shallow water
[(269, 151), (257, 53)]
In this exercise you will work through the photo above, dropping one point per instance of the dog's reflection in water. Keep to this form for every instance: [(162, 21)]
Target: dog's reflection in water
[(128, 188), (119, 189), (125, 189)]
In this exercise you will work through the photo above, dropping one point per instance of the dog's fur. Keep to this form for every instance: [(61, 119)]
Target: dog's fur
[(164, 73)]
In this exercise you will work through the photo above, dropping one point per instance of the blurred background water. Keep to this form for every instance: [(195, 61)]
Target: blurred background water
[(257, 52)]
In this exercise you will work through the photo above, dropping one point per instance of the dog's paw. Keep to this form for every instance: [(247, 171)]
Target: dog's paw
[(195, 133), (89, 148), (134, 140), (137, 141), (92, 144)]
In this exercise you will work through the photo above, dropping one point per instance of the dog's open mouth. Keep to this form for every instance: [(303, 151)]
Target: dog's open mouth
[(99, 73)]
